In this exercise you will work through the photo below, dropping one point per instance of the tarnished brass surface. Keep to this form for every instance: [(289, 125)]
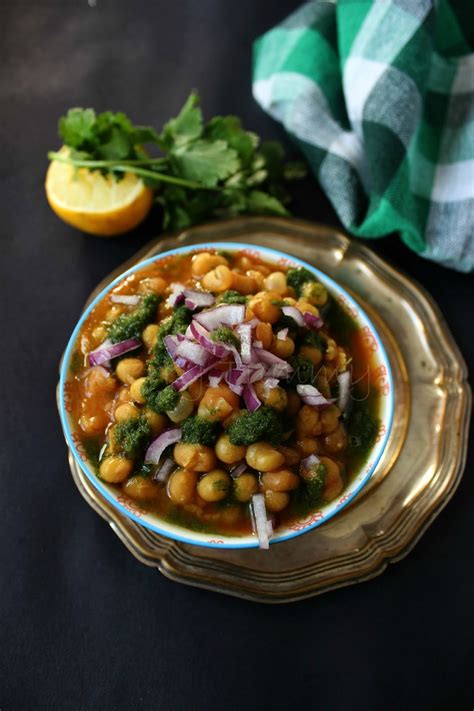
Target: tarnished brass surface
[(418, 473)]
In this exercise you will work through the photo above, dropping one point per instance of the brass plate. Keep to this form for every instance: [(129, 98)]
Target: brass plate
[(414, 480)]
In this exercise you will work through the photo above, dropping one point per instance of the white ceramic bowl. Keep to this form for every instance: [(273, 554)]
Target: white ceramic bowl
[(131, 509)]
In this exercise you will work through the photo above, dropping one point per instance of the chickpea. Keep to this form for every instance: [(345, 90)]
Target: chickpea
[(263, 457), (182, 486), (331, 350), (149, 335), (140, 488), (183, 409), (129, 369), (274, 397), (243, 283), (136, 390), (308, 445), (245, 486), (157, 422), (152, 285), (214, 486), (280, 480), (308, 422), (115, 469), (205, 261), (294, 402), (94, 423), (289, 301), (124, 394), (218, 279), (341, 360), (264, 334), (305, 306), (168, 373), (333, 483), (113, 313), (315, 293), (329, 419), (336, 441), (283, 348), (257, 277), (312, 354), (228, 452), (218, 403), (97, 381), (292, 456), (99, 334), (276, 281), (197, 390), (263, 307), (276, 501), (126, 411), (322, 384), (197, 457)]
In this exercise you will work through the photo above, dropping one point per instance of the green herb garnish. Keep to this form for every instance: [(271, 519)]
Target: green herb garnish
[(249, 427), (224, 334), (133, 436), (205, 170), (197, 430), (131, 325)]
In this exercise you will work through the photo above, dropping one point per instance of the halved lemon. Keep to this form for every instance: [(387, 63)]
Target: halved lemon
[(94, 203)]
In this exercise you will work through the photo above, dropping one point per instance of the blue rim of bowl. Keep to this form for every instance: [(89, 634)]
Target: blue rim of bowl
[(230, 247)]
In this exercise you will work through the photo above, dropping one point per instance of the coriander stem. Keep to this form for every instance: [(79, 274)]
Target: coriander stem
[(52, 155), (130, 167)]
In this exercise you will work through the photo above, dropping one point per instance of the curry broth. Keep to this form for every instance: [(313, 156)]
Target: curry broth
[(228, 516)]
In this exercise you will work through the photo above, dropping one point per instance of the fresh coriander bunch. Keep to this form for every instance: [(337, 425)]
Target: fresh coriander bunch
[(197, 170)]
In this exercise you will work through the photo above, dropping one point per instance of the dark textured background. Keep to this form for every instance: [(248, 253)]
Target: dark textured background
[(82, 624)]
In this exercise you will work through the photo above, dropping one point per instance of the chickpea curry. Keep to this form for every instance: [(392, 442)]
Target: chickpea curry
[(223, 393)]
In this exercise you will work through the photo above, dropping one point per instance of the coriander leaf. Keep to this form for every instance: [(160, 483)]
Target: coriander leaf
[(206, 162), (259, 203), (274, 155), (229, 129), (77, 128), (118, 146), (186, 127)]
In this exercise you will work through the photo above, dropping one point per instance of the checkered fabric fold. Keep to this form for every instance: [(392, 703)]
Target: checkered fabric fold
[(379, 97)]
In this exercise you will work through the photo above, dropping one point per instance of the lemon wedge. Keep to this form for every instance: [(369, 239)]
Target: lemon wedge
[(96, 203)]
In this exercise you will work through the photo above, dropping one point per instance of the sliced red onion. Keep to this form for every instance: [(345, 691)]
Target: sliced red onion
[(228, 314), (282, 334), (158, 446), (256, 372), (215, 376), (171, 345), (109, 350), (202, 336), (193, 352), (344, 380), (269, 528), (245, 332), (176, 296), (237, 389), (238, 469), (280, 371), (259, 515), (250, 398), (190, 376), (294, 313), (128, 299), (312, 321), (269, 384), (311, 461), (311, 396), (237, 376), (258, 344), (194, 299), (164, 470)]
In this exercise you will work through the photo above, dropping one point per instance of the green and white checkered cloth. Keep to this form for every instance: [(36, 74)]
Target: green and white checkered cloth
[(379, 97)]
